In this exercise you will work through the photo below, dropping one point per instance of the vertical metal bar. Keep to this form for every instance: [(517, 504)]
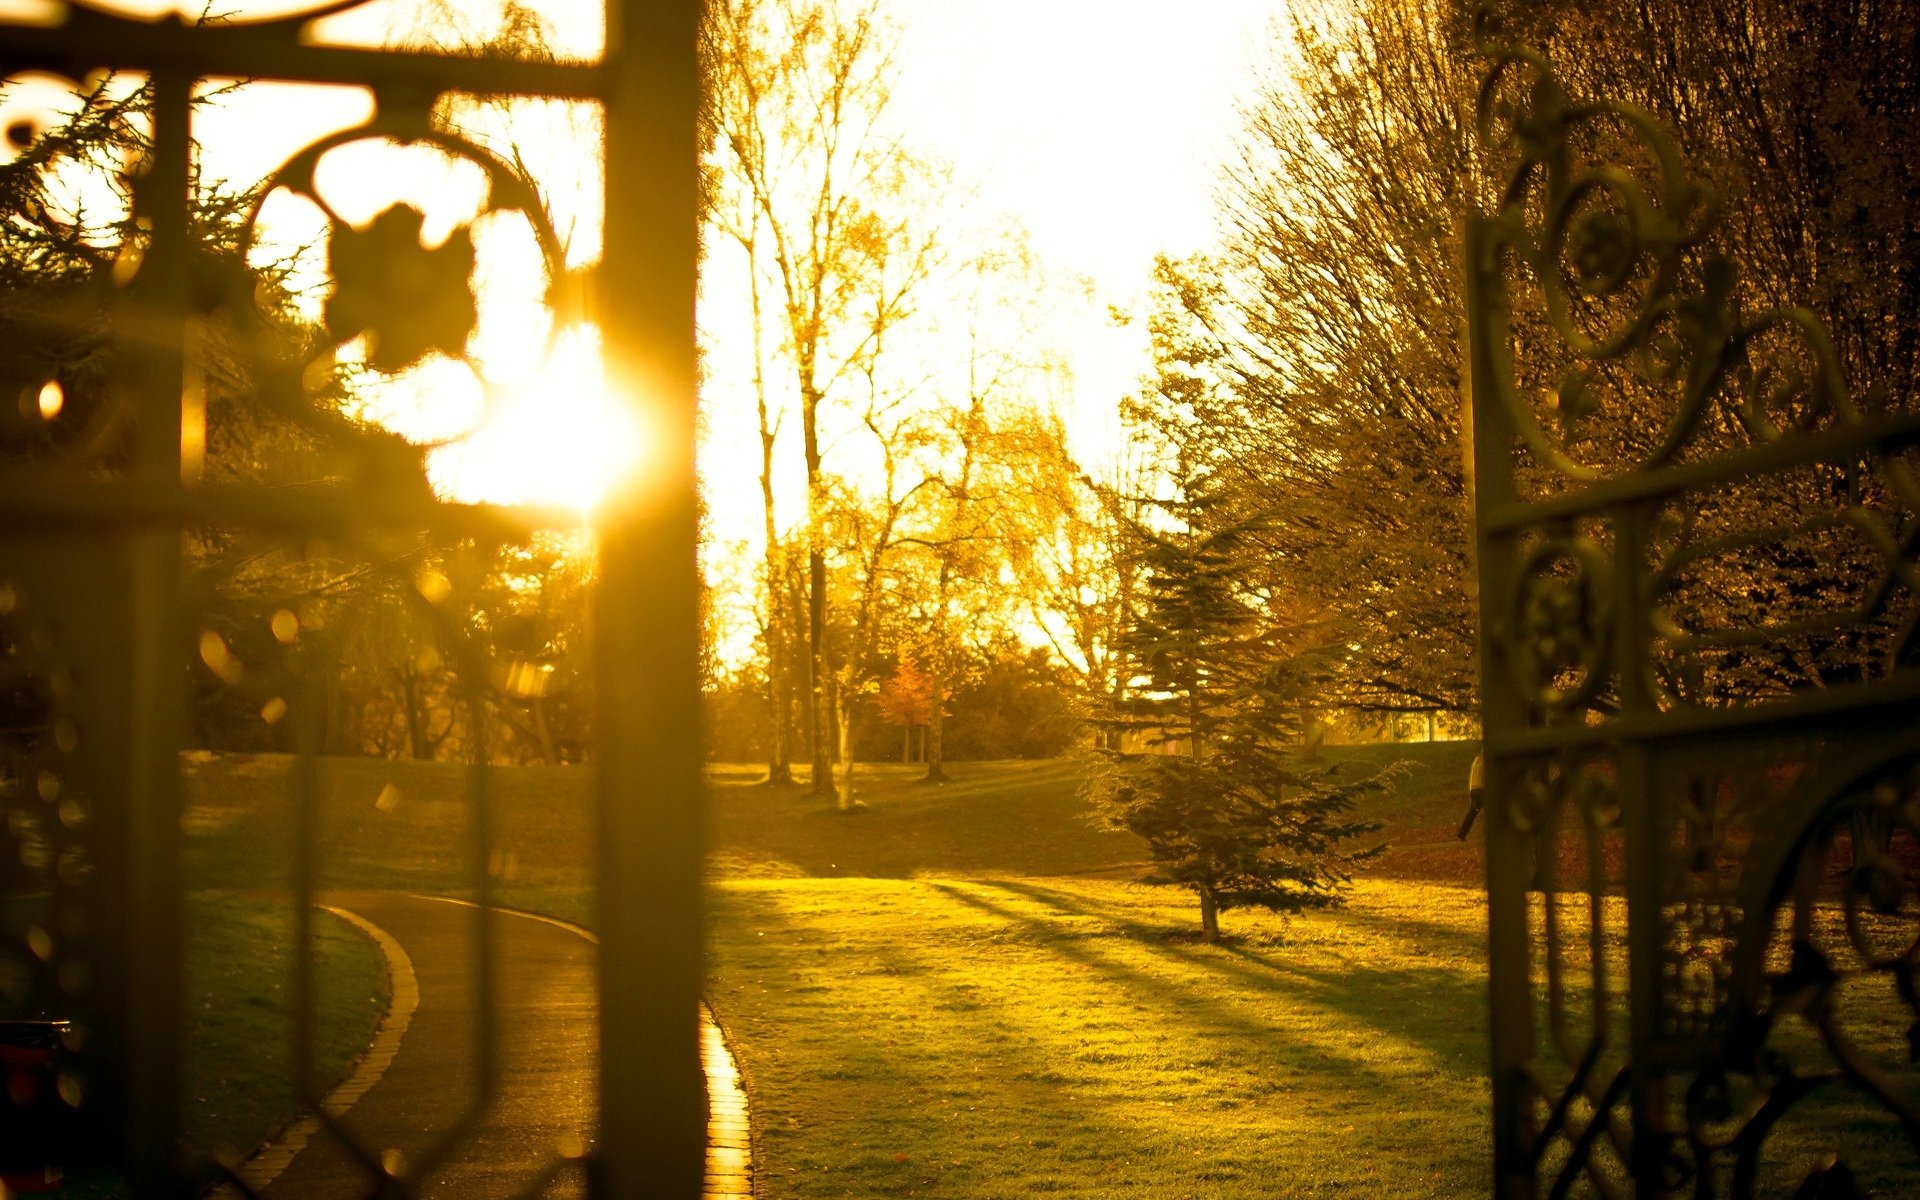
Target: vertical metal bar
[(1489, 472), (151, 1004), (310, 740), (481, 829), (650, 797), (1639, 815)]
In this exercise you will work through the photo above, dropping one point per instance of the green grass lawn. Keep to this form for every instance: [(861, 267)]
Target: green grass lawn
[(240, 1028), (956, 983), (957, 992), (1009, 1037), (238, 1045)]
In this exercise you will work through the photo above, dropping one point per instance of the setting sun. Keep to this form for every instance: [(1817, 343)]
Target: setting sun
[(558, 438), (524, 416)]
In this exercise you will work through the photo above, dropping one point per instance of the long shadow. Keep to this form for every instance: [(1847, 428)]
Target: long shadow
[(906, 1076), (1841, 1116), (1470, 945), (1183, 1003), (1423, 998), (1465, 943), (1431, 994)]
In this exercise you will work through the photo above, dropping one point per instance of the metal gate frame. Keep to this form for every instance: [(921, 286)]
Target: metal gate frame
[(1699, 832), (117, 538)]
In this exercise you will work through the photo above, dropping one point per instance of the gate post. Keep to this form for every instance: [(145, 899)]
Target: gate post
[(1489, 473), (1640, 820), (650, 792), (145, 944)]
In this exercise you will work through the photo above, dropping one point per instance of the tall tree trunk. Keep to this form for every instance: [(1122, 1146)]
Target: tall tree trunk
[(1209, 917), (779, 760), (816, 592), (906, 743), (799, 673), (417, 746), (843, 717), (779, 643), (543, 730), (935, 741), (1209, 910), (933, 735)]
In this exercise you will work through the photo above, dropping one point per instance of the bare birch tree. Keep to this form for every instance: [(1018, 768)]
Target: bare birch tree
[(799, 92)]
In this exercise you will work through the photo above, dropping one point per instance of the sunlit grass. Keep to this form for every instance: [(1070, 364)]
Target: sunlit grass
[(1012, 1037), (958, 993), (1017, 818)]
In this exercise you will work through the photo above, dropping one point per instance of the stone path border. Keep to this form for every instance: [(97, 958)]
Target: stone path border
[(729, 1135), (266, 1163), (729, 1172)]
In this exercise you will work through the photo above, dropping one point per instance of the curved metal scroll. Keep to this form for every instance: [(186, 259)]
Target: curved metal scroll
[(1699, 572)]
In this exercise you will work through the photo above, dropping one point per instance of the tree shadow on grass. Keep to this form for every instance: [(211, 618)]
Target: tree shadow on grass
[(872, 1050), (1444, 1009), (1439, 1008), (1332, 992)]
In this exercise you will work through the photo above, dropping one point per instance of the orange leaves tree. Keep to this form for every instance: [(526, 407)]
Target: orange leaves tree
[(907, 702)]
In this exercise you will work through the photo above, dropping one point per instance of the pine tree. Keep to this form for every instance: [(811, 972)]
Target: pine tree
[(1207, 774)]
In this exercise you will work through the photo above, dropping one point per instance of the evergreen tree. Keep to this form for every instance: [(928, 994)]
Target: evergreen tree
[(1207, 773)]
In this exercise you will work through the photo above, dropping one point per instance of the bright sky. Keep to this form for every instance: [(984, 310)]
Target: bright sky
[(1094, 123), (1097, 124)]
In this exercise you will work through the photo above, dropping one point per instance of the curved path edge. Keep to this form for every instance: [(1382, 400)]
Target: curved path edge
[(265, 1164), (729, 1174)]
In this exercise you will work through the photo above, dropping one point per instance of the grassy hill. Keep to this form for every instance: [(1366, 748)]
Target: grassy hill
[(1028, 818), (1020, 818), (408, 825)]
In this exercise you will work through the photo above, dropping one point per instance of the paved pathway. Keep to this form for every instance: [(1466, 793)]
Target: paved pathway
[(415, 1105)]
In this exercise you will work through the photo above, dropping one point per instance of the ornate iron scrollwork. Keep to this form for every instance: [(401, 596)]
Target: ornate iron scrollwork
[(110, 532), (1699, 565)]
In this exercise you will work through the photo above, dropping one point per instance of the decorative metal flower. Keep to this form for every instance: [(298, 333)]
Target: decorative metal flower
[(411, 300)]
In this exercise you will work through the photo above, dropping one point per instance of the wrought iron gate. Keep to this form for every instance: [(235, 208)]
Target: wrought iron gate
[(101, 500), (1699, 578)]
